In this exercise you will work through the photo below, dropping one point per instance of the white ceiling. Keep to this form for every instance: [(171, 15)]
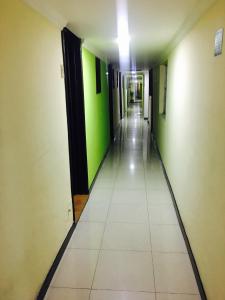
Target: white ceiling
[(153, 24)]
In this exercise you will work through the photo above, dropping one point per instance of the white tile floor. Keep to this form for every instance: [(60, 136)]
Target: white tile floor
[(127, 244)]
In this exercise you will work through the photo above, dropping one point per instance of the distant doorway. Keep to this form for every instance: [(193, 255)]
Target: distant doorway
[(76, 120), (134, 85), (152, 99)]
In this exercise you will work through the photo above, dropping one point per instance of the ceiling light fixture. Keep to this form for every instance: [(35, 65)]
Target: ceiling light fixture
[(123, 39), (132, 167)]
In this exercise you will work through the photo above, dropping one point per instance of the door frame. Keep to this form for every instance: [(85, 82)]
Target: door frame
[(111, 109), (120, 96), (72, 59), (151, 87)]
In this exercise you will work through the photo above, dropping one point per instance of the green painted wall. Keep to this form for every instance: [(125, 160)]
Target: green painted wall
[(96, 114)]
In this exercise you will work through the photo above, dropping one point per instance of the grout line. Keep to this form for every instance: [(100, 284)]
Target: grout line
[(131, 250), (149, 223), (182, 228), (147, 292), (125, 222), (126, 291), (115, 250), (120, 143), (105, 224)]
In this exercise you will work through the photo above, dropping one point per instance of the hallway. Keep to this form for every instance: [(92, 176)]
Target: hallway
[(71, 130), (127, 244)]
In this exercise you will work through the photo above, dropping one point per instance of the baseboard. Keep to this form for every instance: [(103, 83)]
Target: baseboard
[(145, 119), (99, 168), (106, 153), (181, 224), (58, 258), (93, 182), (55, 264)]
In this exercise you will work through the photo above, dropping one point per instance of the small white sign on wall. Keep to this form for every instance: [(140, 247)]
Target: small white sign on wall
[(219, 42)]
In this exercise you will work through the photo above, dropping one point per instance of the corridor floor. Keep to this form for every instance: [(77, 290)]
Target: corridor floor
[(127, 244)]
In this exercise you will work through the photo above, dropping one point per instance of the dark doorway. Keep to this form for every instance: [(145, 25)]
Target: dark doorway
[(111, 86), (120, 95), (75, 115), (151, 94)]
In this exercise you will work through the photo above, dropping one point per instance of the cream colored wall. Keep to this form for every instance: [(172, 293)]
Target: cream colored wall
[(192, 143), (34, 163)]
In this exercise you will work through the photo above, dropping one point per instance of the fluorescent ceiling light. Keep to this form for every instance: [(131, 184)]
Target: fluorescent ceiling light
[(132, 166), (123, 33)]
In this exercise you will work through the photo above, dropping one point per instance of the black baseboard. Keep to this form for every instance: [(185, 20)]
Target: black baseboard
[(55, 264), (58, 258), (181, 224), (99, 168), (104, 157), (96, 175)]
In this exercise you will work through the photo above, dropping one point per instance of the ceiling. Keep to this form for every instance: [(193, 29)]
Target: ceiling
[(154, 25)]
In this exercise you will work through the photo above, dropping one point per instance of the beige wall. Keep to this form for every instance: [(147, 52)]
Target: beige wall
[(192, 143), (34, 164)]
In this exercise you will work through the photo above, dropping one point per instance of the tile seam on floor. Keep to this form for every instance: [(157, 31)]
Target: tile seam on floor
[(181, 253), (140, 291), (128, 291), (105, 223), (149, 225), (147, 191), (131, 250)]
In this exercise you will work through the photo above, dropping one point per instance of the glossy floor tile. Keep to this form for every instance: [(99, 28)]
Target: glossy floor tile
[(128, 213), (115, 295), (132, 197), (173, 273), (159, 196), (100, 196), (95, 212), (127, 244), (124, 271), (76, 269), (126, 236), (133, 179), (67, 294), (177, 297), (162, 214), (167, 238), (88, 235)]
